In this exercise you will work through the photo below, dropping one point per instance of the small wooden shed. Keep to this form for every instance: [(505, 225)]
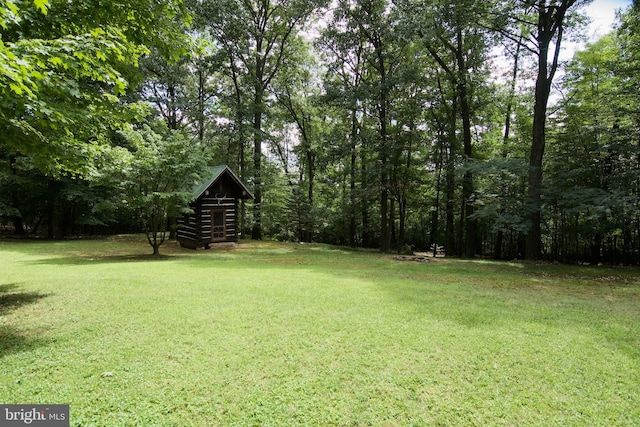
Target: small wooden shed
[(215, 210)]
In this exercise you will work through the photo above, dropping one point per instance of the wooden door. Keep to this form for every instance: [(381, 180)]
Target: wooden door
[(218, 225)]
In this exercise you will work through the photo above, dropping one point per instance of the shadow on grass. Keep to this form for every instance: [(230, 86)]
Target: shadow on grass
[(12, 342), (104, 259), (11, 299), (170, 252), (86, 251)]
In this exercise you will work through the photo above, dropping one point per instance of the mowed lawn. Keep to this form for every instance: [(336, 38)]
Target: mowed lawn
[(288, 334)]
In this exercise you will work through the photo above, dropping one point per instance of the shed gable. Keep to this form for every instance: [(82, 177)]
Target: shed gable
[(222, 181)]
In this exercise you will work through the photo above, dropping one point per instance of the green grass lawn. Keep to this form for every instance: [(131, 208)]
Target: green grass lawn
[(290, 334)]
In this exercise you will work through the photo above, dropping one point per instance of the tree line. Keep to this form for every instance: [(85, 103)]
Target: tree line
[(372, 123)]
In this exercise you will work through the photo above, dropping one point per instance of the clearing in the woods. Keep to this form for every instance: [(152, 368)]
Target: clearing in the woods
[(266, 333)]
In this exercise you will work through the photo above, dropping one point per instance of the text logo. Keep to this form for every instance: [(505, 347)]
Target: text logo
[(34, 415)]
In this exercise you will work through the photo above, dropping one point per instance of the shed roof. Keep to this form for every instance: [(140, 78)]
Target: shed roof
[(216, 172)]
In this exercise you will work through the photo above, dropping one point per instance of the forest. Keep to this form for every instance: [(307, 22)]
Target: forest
[(386, 124)]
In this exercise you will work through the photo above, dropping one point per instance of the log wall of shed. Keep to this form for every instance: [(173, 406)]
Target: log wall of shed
[(187, 232), (207, 204)]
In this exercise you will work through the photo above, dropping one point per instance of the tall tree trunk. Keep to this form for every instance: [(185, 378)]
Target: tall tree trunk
[(256, 233), (550, 23), (310, 176), (201, 101), (243, 174), (392, 222), (172, 123), (497, 252), (534, 193), (352, 183), (383, 105), (436, 213), (385, 234), (450, 190), (402, 191), (450, 241), (366, 232), (470, 225)]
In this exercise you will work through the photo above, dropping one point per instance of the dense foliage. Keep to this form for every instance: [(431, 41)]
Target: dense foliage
[(383, 124)]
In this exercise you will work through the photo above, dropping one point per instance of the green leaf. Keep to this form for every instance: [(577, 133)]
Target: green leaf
[(56, 61), (119, 87), (16, 88), (42, 5)]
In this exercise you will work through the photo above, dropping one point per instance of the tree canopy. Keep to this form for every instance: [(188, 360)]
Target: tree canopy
[(377, 123), (64, 67)]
